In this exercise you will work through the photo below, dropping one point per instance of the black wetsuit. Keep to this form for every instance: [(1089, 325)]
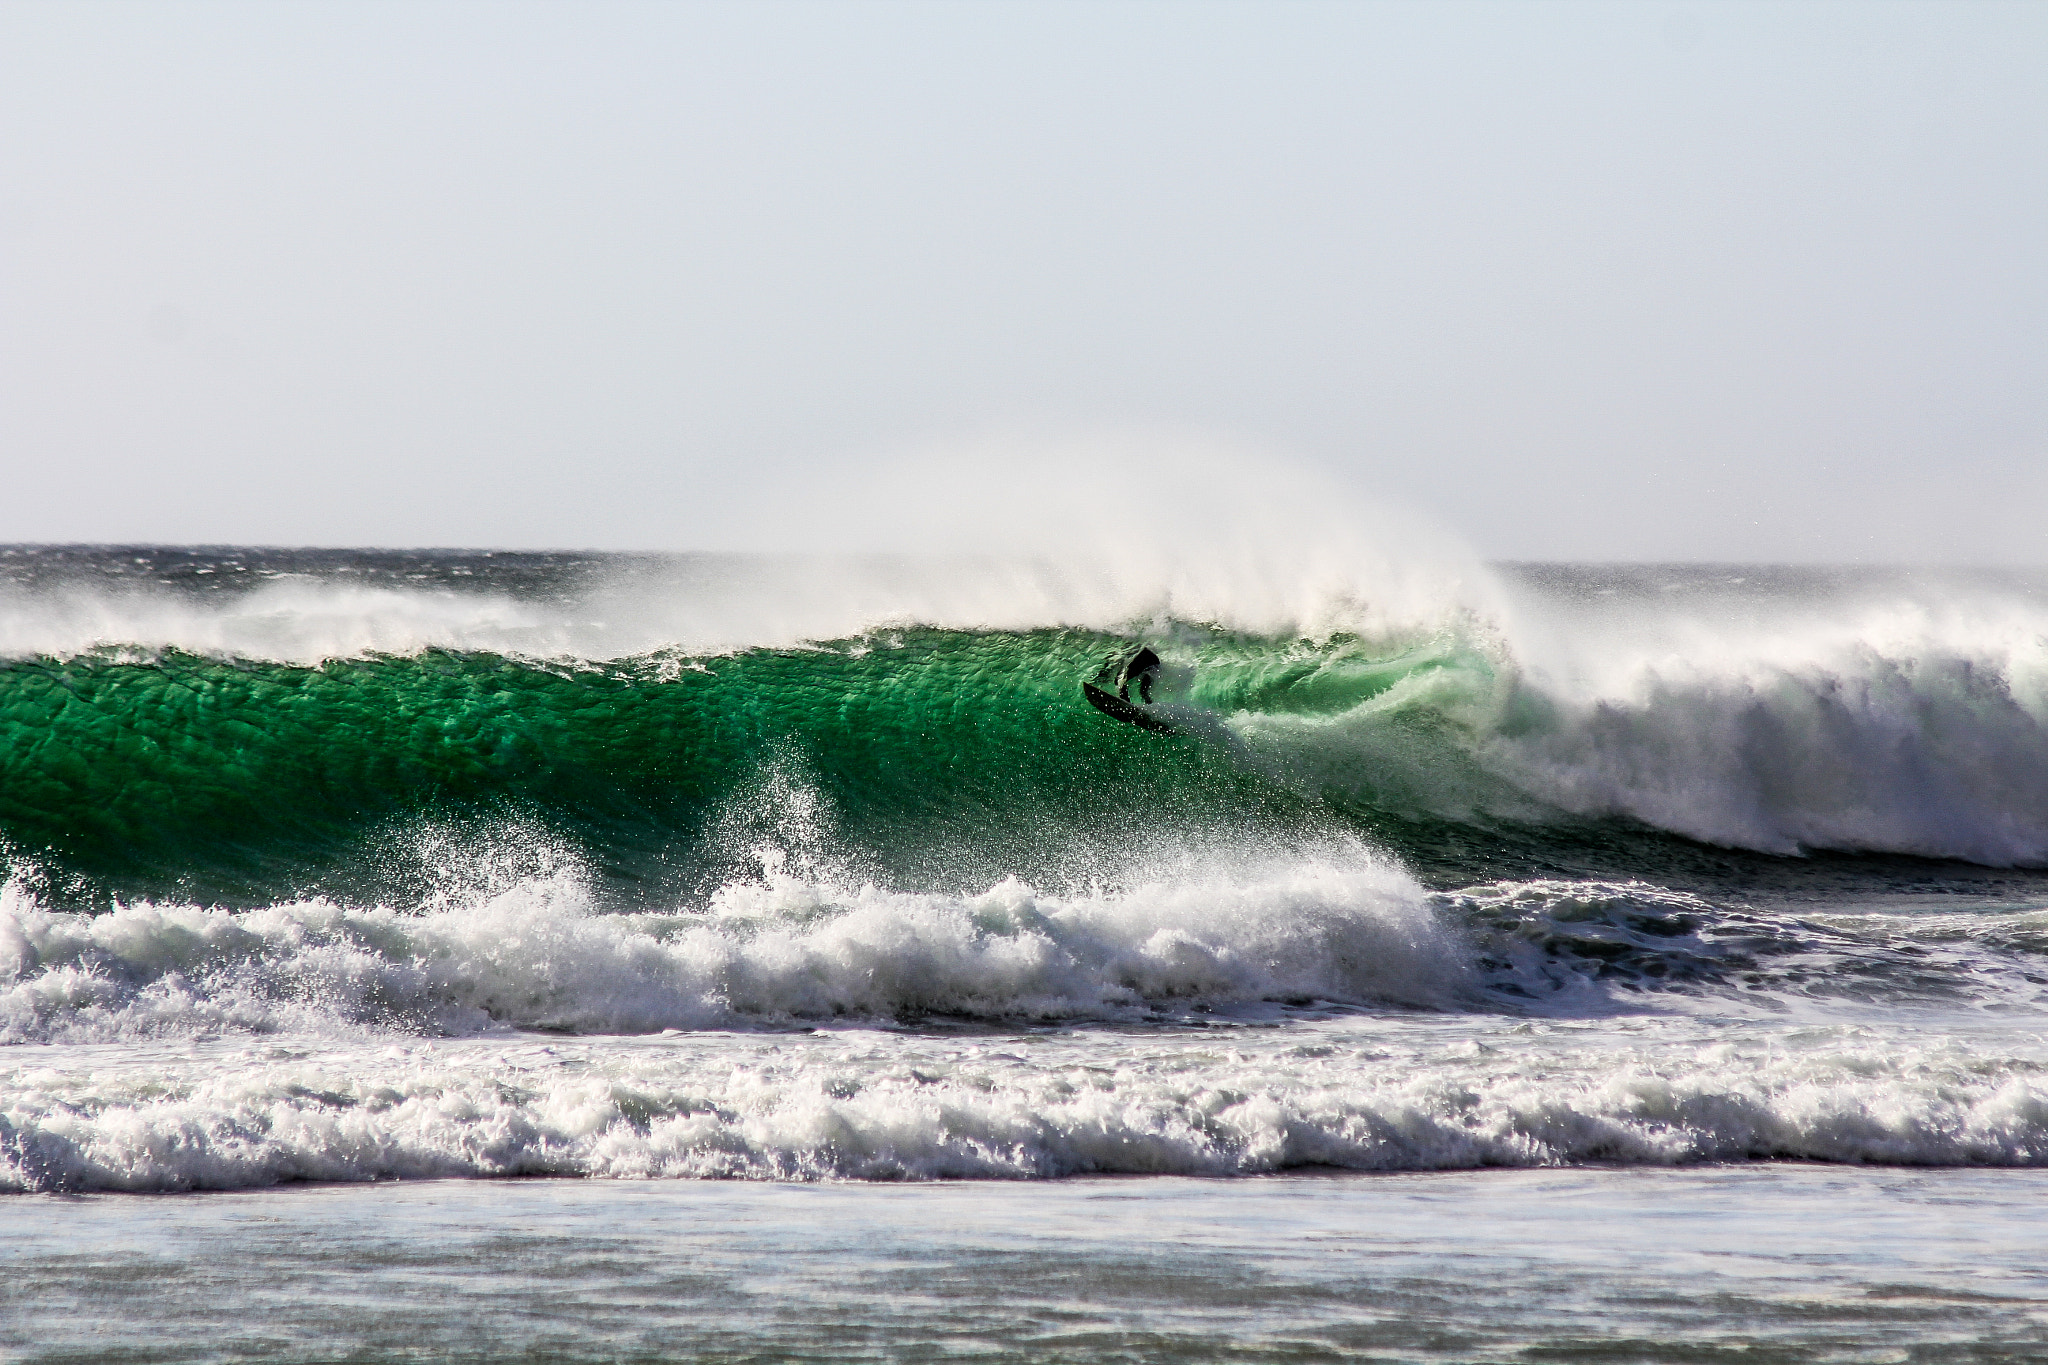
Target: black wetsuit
[(1141, 669)]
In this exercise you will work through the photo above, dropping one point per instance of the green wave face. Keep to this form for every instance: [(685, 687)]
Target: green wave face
[(942, 757), (1675, 737)]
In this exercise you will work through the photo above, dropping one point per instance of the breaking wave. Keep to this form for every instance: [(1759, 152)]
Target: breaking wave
[(1266, 937), (250, 745), (774, 951), (856, 1105)]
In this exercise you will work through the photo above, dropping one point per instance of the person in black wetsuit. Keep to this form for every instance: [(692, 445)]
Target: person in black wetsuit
[(1140, 668)]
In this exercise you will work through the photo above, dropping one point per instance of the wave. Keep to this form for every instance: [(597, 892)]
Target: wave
[(807, 1024), (775, 951), (334, 866), (953, 758), (853, 1104), (273, 740), (798, 944)]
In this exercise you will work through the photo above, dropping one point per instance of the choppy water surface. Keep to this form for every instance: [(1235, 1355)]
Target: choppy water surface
[(345, 867)]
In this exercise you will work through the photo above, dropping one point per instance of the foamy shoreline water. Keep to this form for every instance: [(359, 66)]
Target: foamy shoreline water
[(1777, 1264)]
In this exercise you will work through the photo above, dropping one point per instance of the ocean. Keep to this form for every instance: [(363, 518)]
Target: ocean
[(1509, 962)]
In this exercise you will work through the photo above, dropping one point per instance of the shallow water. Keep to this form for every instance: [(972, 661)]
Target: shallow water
[(1769, 1263)]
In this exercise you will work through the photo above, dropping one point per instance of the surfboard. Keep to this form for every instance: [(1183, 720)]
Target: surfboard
[(1115, 707)]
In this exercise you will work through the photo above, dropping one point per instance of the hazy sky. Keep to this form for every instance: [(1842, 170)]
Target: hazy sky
[(1629, 280)]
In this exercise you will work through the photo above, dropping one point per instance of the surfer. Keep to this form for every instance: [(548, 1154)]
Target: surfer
[(1141, 668)]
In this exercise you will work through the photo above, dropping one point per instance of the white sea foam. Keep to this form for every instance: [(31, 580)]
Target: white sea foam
[(161, 1047), (1368, 1094), (775, 951), (1903, 720), (301, 622), (1909, 721)]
